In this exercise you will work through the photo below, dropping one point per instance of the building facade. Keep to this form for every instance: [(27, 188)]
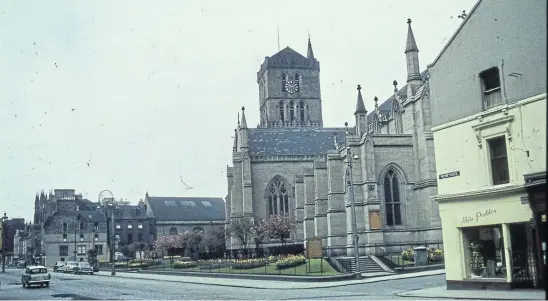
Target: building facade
[(133, 227), (174, 215), (292, 164), (67, 226), (489, 125)]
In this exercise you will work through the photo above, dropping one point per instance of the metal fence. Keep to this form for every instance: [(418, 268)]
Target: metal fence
[(279, 260)]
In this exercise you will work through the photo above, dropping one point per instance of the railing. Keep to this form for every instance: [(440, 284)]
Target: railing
[(393, 254), (286, 265)]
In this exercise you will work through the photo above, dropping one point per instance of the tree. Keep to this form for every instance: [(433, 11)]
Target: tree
[(215, 240), (242, 229), (280, 227), (260, 233), (194, 243)]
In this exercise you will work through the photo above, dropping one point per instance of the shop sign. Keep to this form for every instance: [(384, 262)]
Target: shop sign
[(478, 216), (449, 175)]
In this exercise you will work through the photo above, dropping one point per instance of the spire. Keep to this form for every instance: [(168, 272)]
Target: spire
[(411, 44), (235, 146), (360, 107), (309, 52), (243, 125), (376, 99), (238, 119)]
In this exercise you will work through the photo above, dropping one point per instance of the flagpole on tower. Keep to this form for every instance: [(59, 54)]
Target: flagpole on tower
[(278, 30)]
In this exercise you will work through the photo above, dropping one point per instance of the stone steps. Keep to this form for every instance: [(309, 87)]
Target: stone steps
[(367, 265)]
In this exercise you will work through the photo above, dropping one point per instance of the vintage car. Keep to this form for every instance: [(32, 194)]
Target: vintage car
[(83, 268), (35, 275), (58, 266), (69, 267)]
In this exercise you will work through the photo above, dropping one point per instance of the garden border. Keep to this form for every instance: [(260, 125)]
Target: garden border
[(356, 276)]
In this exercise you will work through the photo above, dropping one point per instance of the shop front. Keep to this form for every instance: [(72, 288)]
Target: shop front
[(490, 240)]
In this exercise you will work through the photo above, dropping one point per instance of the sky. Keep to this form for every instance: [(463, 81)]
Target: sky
[(133, 96)]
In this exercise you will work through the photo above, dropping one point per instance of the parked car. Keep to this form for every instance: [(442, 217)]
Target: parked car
[(95, 268), (58, 266), (83, 268), (69, 266), (36, 275)]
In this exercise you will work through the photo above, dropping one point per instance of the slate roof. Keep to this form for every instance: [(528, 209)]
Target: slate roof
[(293, 141), (288, 54), (92, 215), (187, 208), (387, 104)]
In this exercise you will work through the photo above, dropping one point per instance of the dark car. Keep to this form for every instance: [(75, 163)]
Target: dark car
[(35, 275)]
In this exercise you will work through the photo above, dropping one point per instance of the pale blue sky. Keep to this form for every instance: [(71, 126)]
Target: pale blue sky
[(146, 91)]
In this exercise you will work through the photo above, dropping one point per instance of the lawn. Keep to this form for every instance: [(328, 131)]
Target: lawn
[(313, 267)]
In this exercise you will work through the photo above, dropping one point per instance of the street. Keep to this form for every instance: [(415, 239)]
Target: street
[(85, 287)]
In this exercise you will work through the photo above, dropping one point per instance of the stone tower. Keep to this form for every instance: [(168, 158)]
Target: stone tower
[(289, 90)]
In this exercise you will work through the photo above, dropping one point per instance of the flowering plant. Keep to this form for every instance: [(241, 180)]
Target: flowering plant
[(290, 261), (435, 255)]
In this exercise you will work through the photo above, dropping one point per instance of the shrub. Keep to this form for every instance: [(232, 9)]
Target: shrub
[(435, 255), (184, 264), (213, 264), (408, 255), (290, 261)]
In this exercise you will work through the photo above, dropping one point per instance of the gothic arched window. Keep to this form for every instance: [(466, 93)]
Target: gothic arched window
[(277, 197), (284, 82), (173, 231), (297, 80), (392, 199), (301, 110), (282, 111), (291, 111)]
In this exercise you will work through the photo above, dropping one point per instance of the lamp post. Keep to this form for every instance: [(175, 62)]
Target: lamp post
[(109, 204), (4, 234), (350, 184)]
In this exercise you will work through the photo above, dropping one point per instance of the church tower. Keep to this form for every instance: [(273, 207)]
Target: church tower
[(289, 90)]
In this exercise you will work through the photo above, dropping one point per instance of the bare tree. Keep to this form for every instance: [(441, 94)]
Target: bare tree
[(242, 229)]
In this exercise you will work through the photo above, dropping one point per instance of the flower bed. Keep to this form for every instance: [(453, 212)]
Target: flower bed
[(249, 263), (184, 264), (434, 255), (213, 264), (290, 261)]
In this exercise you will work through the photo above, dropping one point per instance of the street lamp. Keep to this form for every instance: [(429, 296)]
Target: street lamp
[(109, 204), (350, 184), (4, 234)]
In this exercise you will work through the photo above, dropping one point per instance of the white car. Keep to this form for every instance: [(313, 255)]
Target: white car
[(35, 275), (69, 266)]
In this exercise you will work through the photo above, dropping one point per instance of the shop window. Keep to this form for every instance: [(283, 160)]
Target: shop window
[(485, 252)]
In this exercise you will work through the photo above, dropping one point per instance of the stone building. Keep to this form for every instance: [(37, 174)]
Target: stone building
[(490, 134), (67, 226), (133, 225), (292, 164), (173, 215)]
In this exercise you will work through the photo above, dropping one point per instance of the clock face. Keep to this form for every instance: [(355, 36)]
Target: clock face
[(291, 86)]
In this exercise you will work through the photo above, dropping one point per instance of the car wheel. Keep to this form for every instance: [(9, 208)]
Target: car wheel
[(47, 284)]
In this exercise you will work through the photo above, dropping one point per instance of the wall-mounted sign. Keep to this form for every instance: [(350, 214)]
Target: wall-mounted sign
[(479, 215), (449, 175)]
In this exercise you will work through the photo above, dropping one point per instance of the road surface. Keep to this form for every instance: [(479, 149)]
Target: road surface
[(86, 287)]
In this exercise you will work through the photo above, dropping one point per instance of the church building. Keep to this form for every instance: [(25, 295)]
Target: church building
[(292, 164)]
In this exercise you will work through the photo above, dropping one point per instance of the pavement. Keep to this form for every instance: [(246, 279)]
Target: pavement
[(441, 292), (265, 284)]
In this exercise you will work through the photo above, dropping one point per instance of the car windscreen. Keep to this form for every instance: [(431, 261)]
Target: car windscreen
[(84, 264), (38, 271)]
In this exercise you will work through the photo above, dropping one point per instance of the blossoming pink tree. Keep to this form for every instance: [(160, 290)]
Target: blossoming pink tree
[(280, 227)]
